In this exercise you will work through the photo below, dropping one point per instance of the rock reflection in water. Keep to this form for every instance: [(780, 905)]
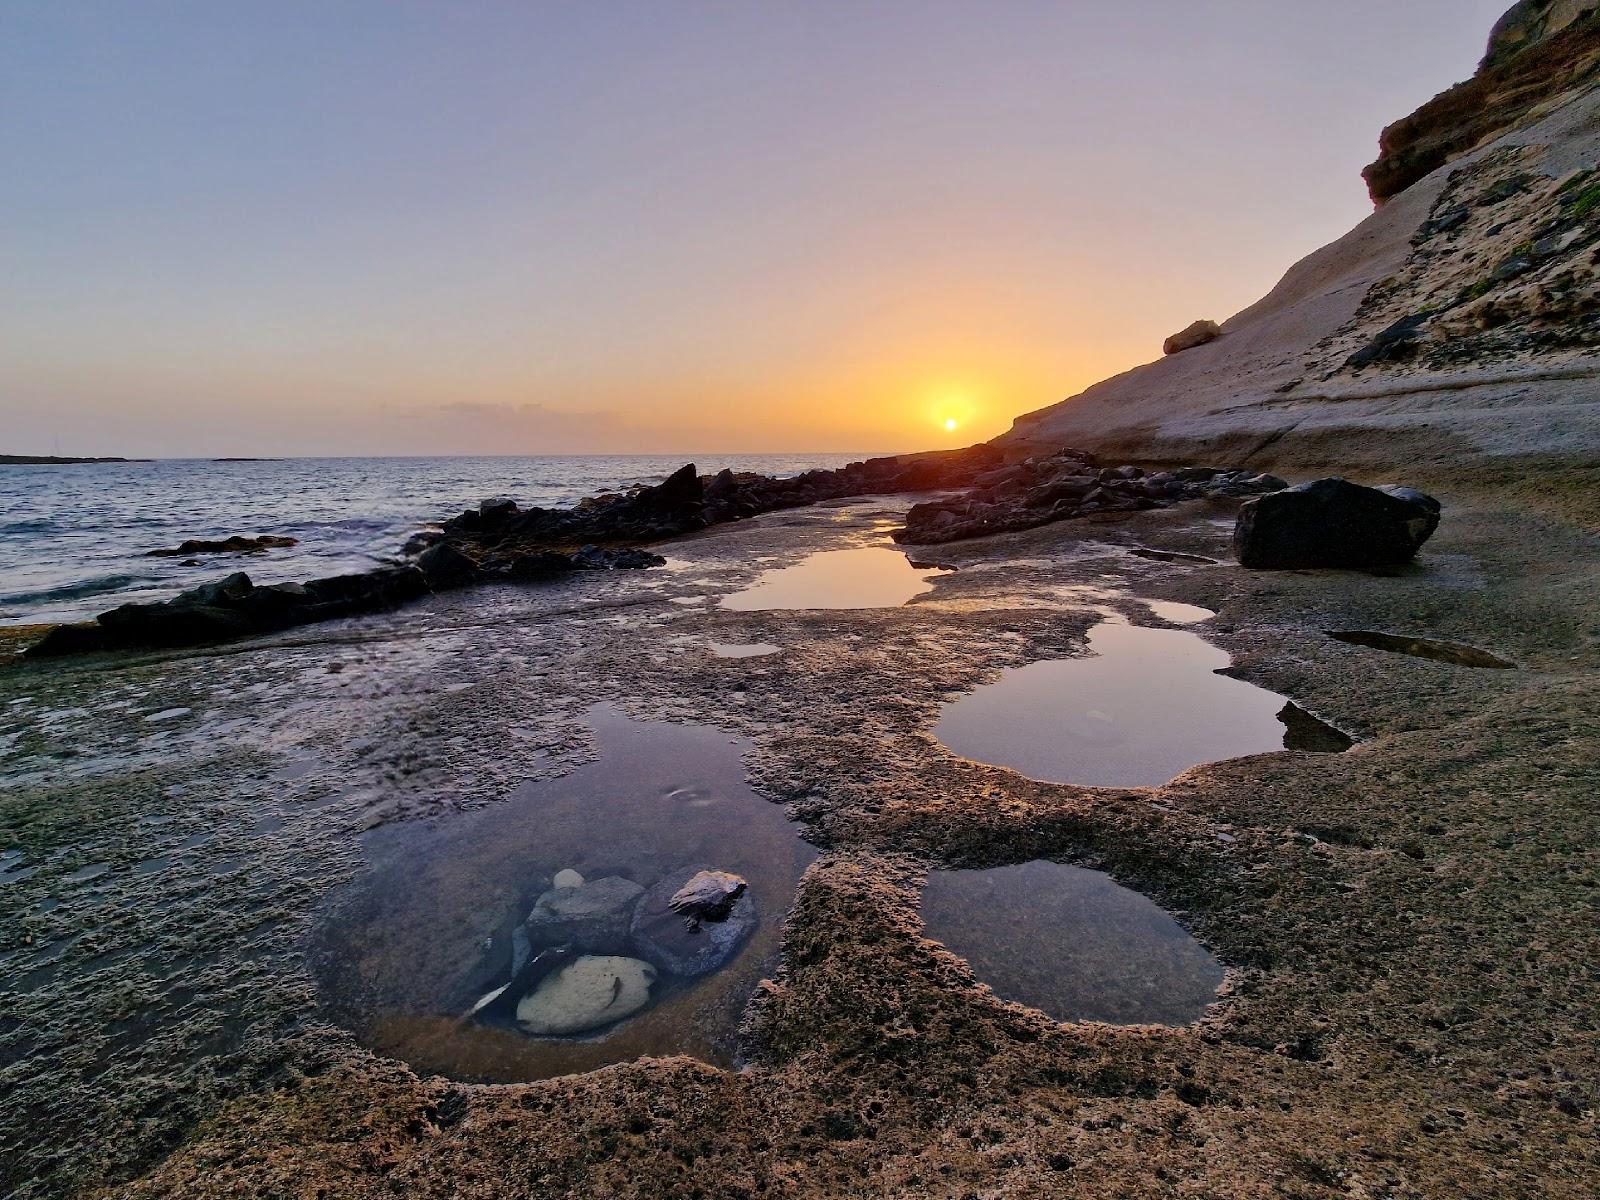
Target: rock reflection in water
[(866, 577), (403, 957), (1144, 706), (1071, 943)]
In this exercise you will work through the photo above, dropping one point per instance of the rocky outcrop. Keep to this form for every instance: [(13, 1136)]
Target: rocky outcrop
[(235, 607), (1194, 335), (1453, 330), (230, 545), (522, 542), (1502, 270), (1334, 523), (1541, 50), (498, 540), (1057, 487), (446, 567), (1530, 22)]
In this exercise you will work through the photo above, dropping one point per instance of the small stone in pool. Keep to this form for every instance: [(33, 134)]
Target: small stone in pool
[(595, 990), (708, 896), (567, 878), (688, 947), (594, 915)]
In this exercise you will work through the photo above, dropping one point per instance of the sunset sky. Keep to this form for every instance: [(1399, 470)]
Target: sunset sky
[(385, 227)]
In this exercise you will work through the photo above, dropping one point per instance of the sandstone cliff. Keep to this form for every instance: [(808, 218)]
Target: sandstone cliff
[(1542, 51), (1530, 22), (1457, 326)]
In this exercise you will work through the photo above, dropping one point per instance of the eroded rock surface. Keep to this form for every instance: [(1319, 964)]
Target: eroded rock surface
[(1541, 50), (1394, 921)]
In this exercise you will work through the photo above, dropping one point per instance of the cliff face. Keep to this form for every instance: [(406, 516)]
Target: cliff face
[(1530, 22), (1540, 54), (1457, 325)]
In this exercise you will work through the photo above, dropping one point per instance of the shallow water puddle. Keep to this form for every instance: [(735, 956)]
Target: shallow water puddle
[(866, 577), (1175, 613), (587, 862), (1143, 707), (1071, 943), (1171, 556), (1445, 652)]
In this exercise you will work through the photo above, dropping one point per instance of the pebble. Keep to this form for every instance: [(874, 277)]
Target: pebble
[(593, 991)]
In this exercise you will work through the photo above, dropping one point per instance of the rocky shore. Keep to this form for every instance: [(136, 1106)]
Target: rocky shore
[(499, 541), (1409, 928), (1405, 925)]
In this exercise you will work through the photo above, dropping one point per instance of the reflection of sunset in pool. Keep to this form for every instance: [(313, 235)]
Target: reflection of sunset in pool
[(864, 577)]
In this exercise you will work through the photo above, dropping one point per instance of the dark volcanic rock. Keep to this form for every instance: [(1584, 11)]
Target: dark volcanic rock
[(421, 540), (1333, 523), (501, 537), (69, 639), (1038, 491), (446, 567), (540, 565), (231, 545), (1396, 342), (234, 607)]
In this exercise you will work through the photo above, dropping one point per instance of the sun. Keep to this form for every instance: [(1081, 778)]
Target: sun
[(950, 425)]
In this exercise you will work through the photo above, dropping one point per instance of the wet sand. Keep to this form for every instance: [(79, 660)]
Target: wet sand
[(1409, 927)]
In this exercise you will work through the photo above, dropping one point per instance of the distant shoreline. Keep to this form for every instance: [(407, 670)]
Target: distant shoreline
[(37, 460)]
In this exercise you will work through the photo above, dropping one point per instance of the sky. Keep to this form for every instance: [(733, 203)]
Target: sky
[(234, 227)]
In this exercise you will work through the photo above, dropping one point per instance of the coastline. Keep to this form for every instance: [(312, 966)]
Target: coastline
[(1339, 879), (52, 460), (210, 798)]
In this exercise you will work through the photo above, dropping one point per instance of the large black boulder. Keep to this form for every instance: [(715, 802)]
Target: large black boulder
[(1333, 523)]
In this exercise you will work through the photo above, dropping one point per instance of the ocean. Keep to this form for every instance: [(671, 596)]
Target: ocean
[(73, 538)]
